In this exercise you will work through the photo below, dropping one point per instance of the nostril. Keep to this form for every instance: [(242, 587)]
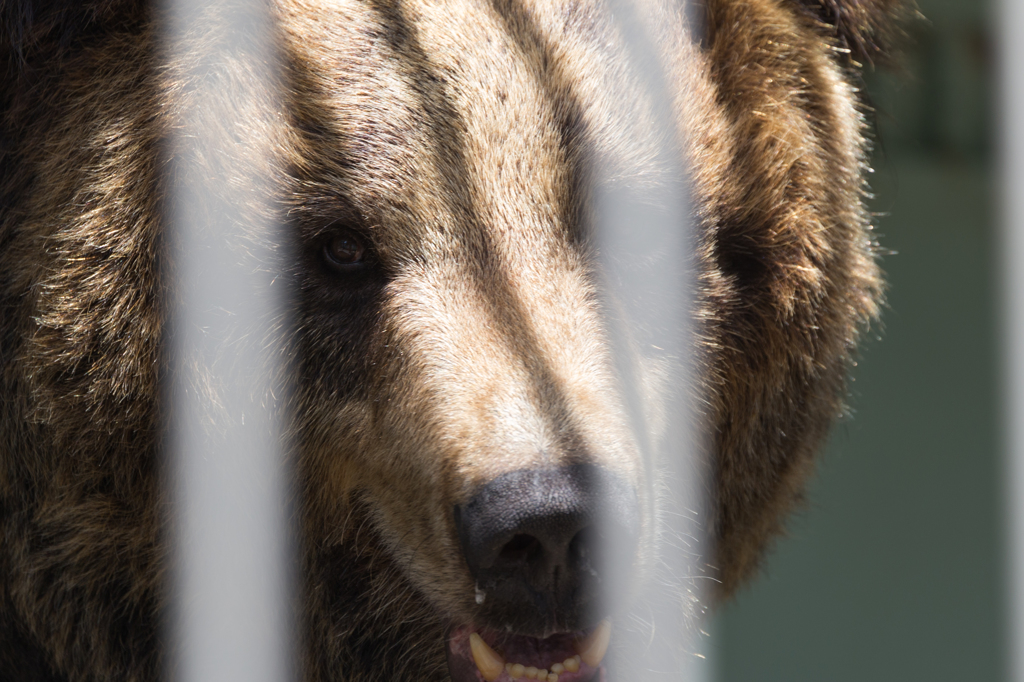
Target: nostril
[(584, 546), (522, 548)]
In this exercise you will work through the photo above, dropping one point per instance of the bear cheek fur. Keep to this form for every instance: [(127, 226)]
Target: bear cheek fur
[(793, 268), (79, 480)]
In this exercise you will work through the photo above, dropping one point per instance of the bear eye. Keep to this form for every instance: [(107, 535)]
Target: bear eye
[(345, 251)]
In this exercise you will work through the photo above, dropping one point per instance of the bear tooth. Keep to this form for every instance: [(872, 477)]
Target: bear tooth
[(595, 646), (487, 660), (531, 672), (518, 670), (552, 677), (557, 668), (571, 664)]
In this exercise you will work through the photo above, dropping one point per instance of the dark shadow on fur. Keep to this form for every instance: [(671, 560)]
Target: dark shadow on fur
[(21, 657)]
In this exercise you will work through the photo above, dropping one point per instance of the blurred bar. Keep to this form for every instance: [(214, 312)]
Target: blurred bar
[(232, 541), (650, 223), (1011, 135)]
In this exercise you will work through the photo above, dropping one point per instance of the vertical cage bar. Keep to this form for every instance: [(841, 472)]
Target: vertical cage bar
[(1011, 136), (231, 610), (652, 223)]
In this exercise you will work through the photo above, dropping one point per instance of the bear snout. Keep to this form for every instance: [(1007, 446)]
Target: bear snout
[(548, 548)]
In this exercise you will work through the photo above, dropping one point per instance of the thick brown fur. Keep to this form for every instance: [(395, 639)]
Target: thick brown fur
[(453, 136)]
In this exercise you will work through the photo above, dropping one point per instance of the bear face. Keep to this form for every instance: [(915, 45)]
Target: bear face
[(435, 165)]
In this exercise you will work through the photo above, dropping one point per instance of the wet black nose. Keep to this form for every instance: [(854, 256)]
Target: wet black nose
[(547, 547)]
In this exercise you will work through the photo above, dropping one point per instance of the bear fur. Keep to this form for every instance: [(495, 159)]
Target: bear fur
[(384, 103)]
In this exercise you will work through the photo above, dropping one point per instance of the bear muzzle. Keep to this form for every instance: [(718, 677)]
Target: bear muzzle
[(549, 550)]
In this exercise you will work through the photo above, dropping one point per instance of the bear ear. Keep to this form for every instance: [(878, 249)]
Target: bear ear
[(867, 29)]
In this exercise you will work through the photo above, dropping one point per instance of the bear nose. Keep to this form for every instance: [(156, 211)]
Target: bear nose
[(548, 547)]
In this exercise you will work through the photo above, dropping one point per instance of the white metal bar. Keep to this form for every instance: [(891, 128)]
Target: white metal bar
[(652, 225), (232, 610), (1011, 134)]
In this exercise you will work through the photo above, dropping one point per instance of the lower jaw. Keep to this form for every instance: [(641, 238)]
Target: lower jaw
[(491, 656)]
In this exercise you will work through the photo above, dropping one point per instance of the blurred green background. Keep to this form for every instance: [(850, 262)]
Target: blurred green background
[(893, 571)]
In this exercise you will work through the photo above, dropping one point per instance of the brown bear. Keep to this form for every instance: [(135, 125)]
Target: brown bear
[(455, 370)]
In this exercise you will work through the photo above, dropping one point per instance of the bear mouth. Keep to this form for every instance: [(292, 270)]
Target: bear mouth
[(484, 655)]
